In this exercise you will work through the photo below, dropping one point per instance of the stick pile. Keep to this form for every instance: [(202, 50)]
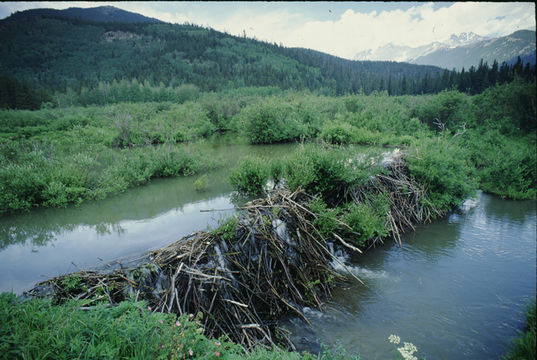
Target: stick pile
[(274, 264), (408, 205), (271, 262)]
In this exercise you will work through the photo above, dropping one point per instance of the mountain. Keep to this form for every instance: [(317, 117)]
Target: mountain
[(464, 39), (519, 43), (463, 50), (404, 53), (97, 14), (60, 49)]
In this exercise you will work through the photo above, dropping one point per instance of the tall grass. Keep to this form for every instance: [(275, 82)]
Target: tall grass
[(38, 329)]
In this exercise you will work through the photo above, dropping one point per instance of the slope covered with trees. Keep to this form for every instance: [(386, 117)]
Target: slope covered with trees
[(71, 53)]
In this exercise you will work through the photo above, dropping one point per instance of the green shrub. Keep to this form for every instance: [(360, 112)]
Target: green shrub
[(201, 183), (365, 136), (367, 220), (22, 185), (226, 229), (250, 176), (338, 133), (447, 107), (505, 166), (271, 122), (327, 218), (38, 329), (276, 170), (444, 171), (510, 108), (353, 104), (318, 170)]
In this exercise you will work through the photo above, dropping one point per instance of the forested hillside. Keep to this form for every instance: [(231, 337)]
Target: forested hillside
[(57, 51), (99, 14)]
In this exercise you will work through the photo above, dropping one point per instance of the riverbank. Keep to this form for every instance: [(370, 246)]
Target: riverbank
[(39, 329)]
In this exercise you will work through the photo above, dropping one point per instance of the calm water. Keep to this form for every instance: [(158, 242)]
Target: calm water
[(51, 242), (457, 288)]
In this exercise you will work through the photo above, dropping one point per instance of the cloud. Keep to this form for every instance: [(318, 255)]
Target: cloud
[(355, 31)]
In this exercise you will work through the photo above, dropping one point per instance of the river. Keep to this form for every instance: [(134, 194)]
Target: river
[(457, 288)]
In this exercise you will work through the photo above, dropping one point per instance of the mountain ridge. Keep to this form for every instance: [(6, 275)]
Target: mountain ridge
[(96, 14), (463, 50)]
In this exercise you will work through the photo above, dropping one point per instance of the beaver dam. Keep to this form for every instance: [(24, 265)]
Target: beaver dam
[(268, 261)]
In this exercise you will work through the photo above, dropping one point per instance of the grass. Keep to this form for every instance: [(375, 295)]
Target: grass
[(38, 329)]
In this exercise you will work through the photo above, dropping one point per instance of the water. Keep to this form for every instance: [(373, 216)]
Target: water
[(457, 288), (51, 242)]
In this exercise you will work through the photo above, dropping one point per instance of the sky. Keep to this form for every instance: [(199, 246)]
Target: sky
[(338, 28)]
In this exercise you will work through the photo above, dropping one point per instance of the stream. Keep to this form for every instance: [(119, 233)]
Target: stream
[(457, 288)]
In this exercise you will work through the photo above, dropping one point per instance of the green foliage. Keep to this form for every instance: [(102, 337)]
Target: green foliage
[(250, 176), (271, 122), (20, 95), (505, 166), (510, 108), (37, 179), (38, 329), (367, 219), (318, 170), (447, 108), (201, 183), (338, 133), (444, 170), (57, 157), (226, 229), (326, 218), (276, 170), (335, 353), (523, 347)]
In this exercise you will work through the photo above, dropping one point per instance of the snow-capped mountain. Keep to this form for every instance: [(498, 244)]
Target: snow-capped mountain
[(464, 39), (462, 50), (402, 53), (506, 48)]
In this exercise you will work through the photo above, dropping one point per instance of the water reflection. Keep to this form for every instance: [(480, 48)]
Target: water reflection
[(158, 197)]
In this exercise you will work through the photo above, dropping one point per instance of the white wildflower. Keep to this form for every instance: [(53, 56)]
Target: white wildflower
[(407, 351), (394, 339)]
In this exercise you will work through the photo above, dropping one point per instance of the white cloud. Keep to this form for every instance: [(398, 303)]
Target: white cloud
[(356, 31)]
